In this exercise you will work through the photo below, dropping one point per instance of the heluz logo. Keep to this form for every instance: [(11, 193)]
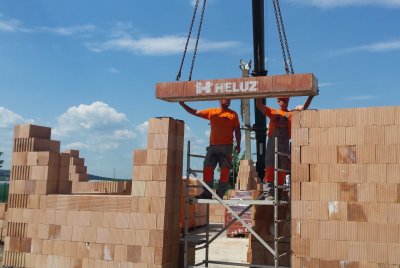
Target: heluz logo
[(207, 87)]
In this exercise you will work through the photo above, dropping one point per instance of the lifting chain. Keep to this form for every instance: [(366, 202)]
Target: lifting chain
[(178, 76), (283, 40)]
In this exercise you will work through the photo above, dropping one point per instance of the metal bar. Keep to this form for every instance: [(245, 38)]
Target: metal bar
[(285, 253), (280, 221), (207, 245), (197, 155), (259, 70), (283, 187), (185, 257), (240, 264), (276, 253), (196, 170), (238, 202), (283, 154), (201, 247), (283, 170), (233, 220), (238, 218), (283, 237)]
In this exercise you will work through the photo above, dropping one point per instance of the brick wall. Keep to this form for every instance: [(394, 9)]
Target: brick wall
[(346, 188), (47, 226)]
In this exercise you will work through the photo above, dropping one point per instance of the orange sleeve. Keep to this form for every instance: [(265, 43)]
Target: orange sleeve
[(206, 114), (268, 111)]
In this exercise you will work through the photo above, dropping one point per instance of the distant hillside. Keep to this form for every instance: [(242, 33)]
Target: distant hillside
[(5, 176)]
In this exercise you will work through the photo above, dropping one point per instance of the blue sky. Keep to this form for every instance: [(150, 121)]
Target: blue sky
[(88, 69)]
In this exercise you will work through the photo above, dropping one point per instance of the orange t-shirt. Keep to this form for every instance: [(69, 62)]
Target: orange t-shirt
[(271, 113), (223, 123)]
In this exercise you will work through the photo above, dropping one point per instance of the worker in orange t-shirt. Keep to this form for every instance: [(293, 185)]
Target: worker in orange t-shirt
[(224, 123), (279, 126)]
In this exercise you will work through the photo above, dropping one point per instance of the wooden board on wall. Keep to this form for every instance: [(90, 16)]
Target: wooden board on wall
[(239, 88)]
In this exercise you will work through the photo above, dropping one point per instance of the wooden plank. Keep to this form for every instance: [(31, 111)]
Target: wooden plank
[(239, 88)]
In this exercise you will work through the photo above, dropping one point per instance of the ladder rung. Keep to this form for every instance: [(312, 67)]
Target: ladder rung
[(195, 186), (283, 237), (198, 248), (197, 155), (285, 220), (283, 187), (283, 254), (283, 170), (284, 154)]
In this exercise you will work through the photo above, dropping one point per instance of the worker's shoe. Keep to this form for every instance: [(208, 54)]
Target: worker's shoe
[(205, 194), (269, 191), (222, 187)]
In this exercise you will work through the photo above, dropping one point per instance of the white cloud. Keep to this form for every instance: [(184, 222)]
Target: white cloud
[(77, 146), (164, 45), (13, 25), (96, 127), (8, 118), (360, 98), (67, 31), (375, 47), (9, 25), (342, 3), (97, 115), (326, 84), (123, 134), (114, 70), (381, 46), (143, 128)]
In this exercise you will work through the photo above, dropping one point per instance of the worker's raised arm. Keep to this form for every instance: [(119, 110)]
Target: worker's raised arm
[(305, 105), (260, 106), (188, 109)]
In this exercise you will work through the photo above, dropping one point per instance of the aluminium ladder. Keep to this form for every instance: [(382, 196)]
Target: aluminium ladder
[(237, 217)]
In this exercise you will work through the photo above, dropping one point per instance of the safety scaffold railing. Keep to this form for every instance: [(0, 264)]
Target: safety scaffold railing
[(274, 250)]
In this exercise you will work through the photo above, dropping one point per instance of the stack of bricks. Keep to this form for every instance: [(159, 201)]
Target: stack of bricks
[(77, 169), (35, 170), (263, 225), (3, 223), (217, 213), (196, 212), (157, 186), (47, 229), (346, 188), (237, 227), (247, 178)]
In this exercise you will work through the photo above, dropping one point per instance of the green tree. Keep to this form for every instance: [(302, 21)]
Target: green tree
[(1, 161)]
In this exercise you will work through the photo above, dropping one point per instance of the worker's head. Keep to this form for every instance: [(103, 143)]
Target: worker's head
[(225, 103), (283, 102)]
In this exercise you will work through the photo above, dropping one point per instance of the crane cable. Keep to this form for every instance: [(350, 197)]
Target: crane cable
[(178, 76), (283, 40)]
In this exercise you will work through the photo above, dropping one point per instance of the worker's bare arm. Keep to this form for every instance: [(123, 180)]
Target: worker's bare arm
[(305, 105), (188, 108)]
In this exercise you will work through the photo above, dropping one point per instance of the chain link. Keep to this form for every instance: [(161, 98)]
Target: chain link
[(178, 76), (197, 39), (283, 40)]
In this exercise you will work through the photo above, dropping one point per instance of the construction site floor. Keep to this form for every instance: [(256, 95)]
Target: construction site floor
[(223, 248)]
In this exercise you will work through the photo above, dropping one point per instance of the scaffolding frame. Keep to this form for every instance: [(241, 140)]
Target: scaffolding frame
[(276, 203)]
